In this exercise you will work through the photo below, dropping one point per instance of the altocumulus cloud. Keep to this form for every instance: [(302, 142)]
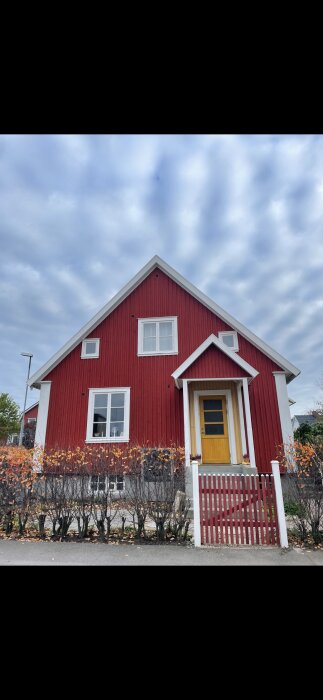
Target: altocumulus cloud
[(239, 216)]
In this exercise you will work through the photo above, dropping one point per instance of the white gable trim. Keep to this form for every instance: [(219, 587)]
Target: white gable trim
[(156, 261), (212, 339), (32, 406)]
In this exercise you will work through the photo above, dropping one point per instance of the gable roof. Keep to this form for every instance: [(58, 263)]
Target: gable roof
[(212, 340), (156, 261), (308, 419), (33, 405)]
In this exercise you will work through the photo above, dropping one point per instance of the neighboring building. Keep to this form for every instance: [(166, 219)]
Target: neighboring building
[(31, 414), (30, 421), (297, 421), (163, 364)]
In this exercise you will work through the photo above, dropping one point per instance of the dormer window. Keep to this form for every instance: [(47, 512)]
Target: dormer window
[(229, 338), (90, 348), (157, 336)]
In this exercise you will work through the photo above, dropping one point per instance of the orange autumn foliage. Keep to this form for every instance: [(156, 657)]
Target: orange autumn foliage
[(302, 459)]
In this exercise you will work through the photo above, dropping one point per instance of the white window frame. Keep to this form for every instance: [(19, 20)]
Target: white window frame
[(107, 480), (31, 421), (160, 319), (86, 356), (90, 414), (235, 346)]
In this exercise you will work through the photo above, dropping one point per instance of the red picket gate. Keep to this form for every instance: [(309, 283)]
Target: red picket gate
[(238, 509)]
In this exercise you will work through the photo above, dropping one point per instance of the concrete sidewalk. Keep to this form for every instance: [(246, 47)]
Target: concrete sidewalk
[(18, 553)]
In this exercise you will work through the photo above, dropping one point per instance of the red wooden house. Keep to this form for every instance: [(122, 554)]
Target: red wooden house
[(163, 364), (31, 414), (30, 420)]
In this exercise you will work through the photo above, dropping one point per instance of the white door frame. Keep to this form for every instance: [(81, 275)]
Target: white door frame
[(232, 442)]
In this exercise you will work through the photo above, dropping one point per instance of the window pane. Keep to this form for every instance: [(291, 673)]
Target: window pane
[(94, 482), (149, 344), (149, 330), (117, 400), (116, 429), (111, 485), (90, 348), (119, 485), (101, 400), (165, 343), (213, 416), (99, 430), (214, 429), (212, 404), (165, 328), (228, 340), (117, 413), (100, 415)]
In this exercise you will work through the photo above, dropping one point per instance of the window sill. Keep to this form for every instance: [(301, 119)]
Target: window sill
[(102, 439), (158, 354)]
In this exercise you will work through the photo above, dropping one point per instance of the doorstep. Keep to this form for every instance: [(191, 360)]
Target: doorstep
[(227, 469)]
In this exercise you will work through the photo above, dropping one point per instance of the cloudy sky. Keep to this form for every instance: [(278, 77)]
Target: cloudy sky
[(239, 216)]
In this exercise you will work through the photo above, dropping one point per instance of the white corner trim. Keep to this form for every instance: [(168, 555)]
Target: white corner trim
[(84, 355), (156, 261), (249, 423), (241, 419), (41, 426), (235, 339), (232, 441), (212, 339), (187, 432), (283, 406)]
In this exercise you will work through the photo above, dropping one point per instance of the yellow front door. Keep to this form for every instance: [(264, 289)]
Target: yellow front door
[(214, 430)]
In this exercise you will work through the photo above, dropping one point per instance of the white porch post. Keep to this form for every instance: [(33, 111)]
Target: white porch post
[(241, 419), (248, 422), (187, 440), (280, 504), (196, 503)]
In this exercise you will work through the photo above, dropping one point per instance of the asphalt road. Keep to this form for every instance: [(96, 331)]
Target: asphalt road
[(18, 553)]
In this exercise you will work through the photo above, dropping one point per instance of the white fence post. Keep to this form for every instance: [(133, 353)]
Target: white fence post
[(196, 503), (280, 504)]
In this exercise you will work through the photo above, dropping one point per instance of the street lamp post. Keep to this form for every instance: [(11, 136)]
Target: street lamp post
[(22, 426)]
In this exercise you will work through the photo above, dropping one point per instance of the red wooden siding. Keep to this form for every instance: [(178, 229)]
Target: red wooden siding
[(213, 363), (156, 405)]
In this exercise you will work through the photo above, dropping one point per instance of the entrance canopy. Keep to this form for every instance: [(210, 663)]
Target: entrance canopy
[(213, 360)]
